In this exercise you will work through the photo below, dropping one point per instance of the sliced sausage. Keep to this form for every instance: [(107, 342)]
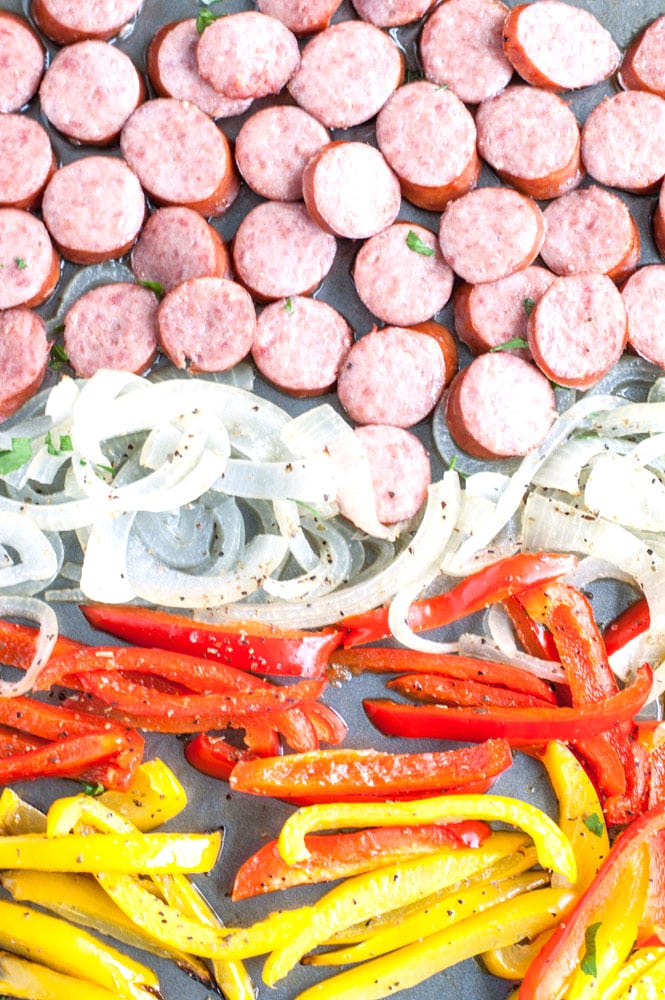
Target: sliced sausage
[(279, 251), (301, 18), (273, 147), (347, 73), (643, 64), (388, 14), (67, 21), (22, 63), (578, 330), (531, 138), (555, 45), (401, 276), (491, 315), (89, 91), (174, 71), (207, 324), (176, 244), (658, 222), (490, 233), (94, 209), (644, 298), (180, 156), (461, 48), (428, 138), (300, 345), (24, 352), (623, 141), (591, 230), (400, 470), (392, 376), (112, 326), (499, 406), (29, 265), (247, 55), (350, 190), (27, 161)]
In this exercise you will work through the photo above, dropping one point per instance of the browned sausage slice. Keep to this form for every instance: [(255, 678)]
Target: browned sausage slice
[(428, 138), (22, 64), (93, 208), (273, 147), (24, 352), (112, 326), (207, 322), (27, 161), (556, 45), (623, 141), (400, 470), (644, 299), (180, 156), (176, 244), (29, 265), (643, 64), (578, 330), (388, 14), (89, 91), (301, 344), (499, 406), (68, 21), (300, 18)]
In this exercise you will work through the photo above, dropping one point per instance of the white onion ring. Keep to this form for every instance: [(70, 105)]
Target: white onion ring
[(44, 616)]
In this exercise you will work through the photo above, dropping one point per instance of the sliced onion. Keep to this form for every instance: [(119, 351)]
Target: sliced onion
[(502, 638), (332, 568), (630, 419), (398, 616), (288, 520), (39, 612), (36, 559), (310, 480), (104, 575), (622, 490), (482, 648)]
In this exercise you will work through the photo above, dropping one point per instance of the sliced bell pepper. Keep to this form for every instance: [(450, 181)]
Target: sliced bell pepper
[(21, 978), (296, 728), (444, 691), (215, 756), (534, 637), (18, 816), (329, 725), (334, 774), (635, 979), (249, 646), (13, 742), (488, 586), (65, 758), (626, 626), (154, 796), (519, 726)]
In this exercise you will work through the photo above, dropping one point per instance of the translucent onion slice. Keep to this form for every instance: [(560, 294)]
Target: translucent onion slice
[(630, 419), (288, 521), (104, 574), (483, 648), (35, 558), (501, 635), (332, 569), (41, 614), (623, 491), (398, 615), (310, 480)]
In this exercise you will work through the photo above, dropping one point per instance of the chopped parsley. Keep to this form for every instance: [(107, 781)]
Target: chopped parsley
[(20, 263), (589, 965), (65, 444), (92, 788), (15, 457), (57, 357), (509, 345), (595, 824), (414, 242), (288, 305), (528, 306), (154, 286), (205, 18)]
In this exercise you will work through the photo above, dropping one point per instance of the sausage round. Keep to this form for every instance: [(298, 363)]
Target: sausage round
[(461, 48), (29, 265), (401, 276), (392, 376), (400, 471), (489, 315), (174, 71), (112, 326), (247, 55), (279, 251), (578, 330), (300, 18), (555, 45), (531, 138), (24, 352), (180, 156), (658, 222), (499, 406), (273, 147), (27, 161), (22, 65), (490, 233), (207, 322), (300, 345), (176, 244), (347, 73), (89, 91), (67, 21), (388, 14), (94, 209), (644, 298), (350, 190), (428, 137), (643, 64), (623, 141), (591, 230)]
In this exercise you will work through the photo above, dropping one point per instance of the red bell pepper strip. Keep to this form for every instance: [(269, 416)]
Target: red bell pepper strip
[(519, 726), (386, 659), (248, 646), (215, 756), (533, 636), (657, 775), (330, 727), (341, 855), (338, 773), (489, 585), (13, 742), (445, 691), (628, 625), (260, 734), (603, 765), (652, 926), (65, 758), (296, 729)]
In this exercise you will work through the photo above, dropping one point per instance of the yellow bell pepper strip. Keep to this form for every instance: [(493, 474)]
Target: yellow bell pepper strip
[(553, 848), (154, 796), (17, 816), (503, 924), (65, 948), (363, 896), (21, 978), (513, 961), (637, 970)]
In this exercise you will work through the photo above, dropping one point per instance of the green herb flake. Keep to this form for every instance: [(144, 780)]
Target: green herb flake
[(57, 356), (595, 824), (15, 457), (442, 86), (589, 965), (92, 788), (205, 18), (528, 305), (414, 242), (59, 449), (20, 263), (288, 305), (105, 468), (153, 286), (510, 345)]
